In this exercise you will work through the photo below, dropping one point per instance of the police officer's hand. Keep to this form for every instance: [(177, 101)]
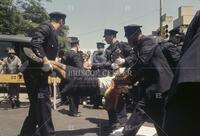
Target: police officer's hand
[(47, 67), (114, 66), (45, 60), (19, 73), (120, 61)]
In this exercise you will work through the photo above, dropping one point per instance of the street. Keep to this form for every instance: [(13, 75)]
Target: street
[(90, 123)]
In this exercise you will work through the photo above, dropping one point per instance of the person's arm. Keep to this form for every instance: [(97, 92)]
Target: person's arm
[(108, 63), (77, 61), (39, 37), (171, 52), (87, 65), (4, 62), (128, 52), (191, 31), (141, 57)]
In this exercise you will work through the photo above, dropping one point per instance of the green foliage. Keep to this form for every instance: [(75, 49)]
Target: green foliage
[(33, 10), (22, 16), (11, 20), (62, 40)]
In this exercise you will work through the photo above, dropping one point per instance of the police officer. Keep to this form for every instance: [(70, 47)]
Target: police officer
[(114, 44), (154, 74), (118, 117), (44, 43), (182, 112), (73, 58), (97, 62), (98, 56), (176, 37)]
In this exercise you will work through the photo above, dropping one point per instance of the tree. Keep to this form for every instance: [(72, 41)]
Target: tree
[(62, 38), (11, 21), (37, 14), (22, 16), (33, 12)]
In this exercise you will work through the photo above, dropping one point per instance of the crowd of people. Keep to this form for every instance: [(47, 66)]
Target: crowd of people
[(166, 73)]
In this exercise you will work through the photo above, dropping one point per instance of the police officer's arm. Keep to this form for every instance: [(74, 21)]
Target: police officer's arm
[(141, 59), (39, 37), (108, 63), (191, 31), (77, 61), (171, 52), (102, 64), (128, 52)]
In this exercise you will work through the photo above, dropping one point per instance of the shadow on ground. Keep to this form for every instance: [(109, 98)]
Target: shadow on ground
[(79, 132), (100, 130)]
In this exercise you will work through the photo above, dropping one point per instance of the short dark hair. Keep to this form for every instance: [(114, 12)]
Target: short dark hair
[(74, 45)]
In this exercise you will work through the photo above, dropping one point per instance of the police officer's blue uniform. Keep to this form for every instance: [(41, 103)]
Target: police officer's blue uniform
[(44, 43)]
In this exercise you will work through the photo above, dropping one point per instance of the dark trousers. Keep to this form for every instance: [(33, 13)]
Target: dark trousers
[(146, 110), (74, 101), (119, 115), (182, 114), (96, 100), (39, 120)]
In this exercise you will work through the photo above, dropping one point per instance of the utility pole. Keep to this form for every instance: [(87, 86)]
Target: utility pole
[(161, 8)]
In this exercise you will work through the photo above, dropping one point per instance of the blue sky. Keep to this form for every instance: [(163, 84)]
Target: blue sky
[(87, 19)]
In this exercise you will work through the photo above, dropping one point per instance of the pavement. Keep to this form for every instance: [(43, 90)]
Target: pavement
[(91, 122)]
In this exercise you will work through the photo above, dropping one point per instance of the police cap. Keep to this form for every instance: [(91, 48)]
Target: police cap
[(100, 45), (73, 40), (131, 29), (175, 32), (109, 32), (57, 15)]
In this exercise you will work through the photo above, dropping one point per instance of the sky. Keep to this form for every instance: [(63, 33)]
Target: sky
[(87, 19)]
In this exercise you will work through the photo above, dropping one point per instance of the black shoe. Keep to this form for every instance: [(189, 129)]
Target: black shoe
[(95, 107), (75, 114), (116, 126)]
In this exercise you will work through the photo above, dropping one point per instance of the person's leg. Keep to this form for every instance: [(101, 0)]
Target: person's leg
[(155, 113), (112, 117), (46, 127), (73, 105), (30, 123), (16, 95), (121, 110), (176, 120), (76, 102), (135, 121), (11, 95), (96, 101), (182, 113)]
